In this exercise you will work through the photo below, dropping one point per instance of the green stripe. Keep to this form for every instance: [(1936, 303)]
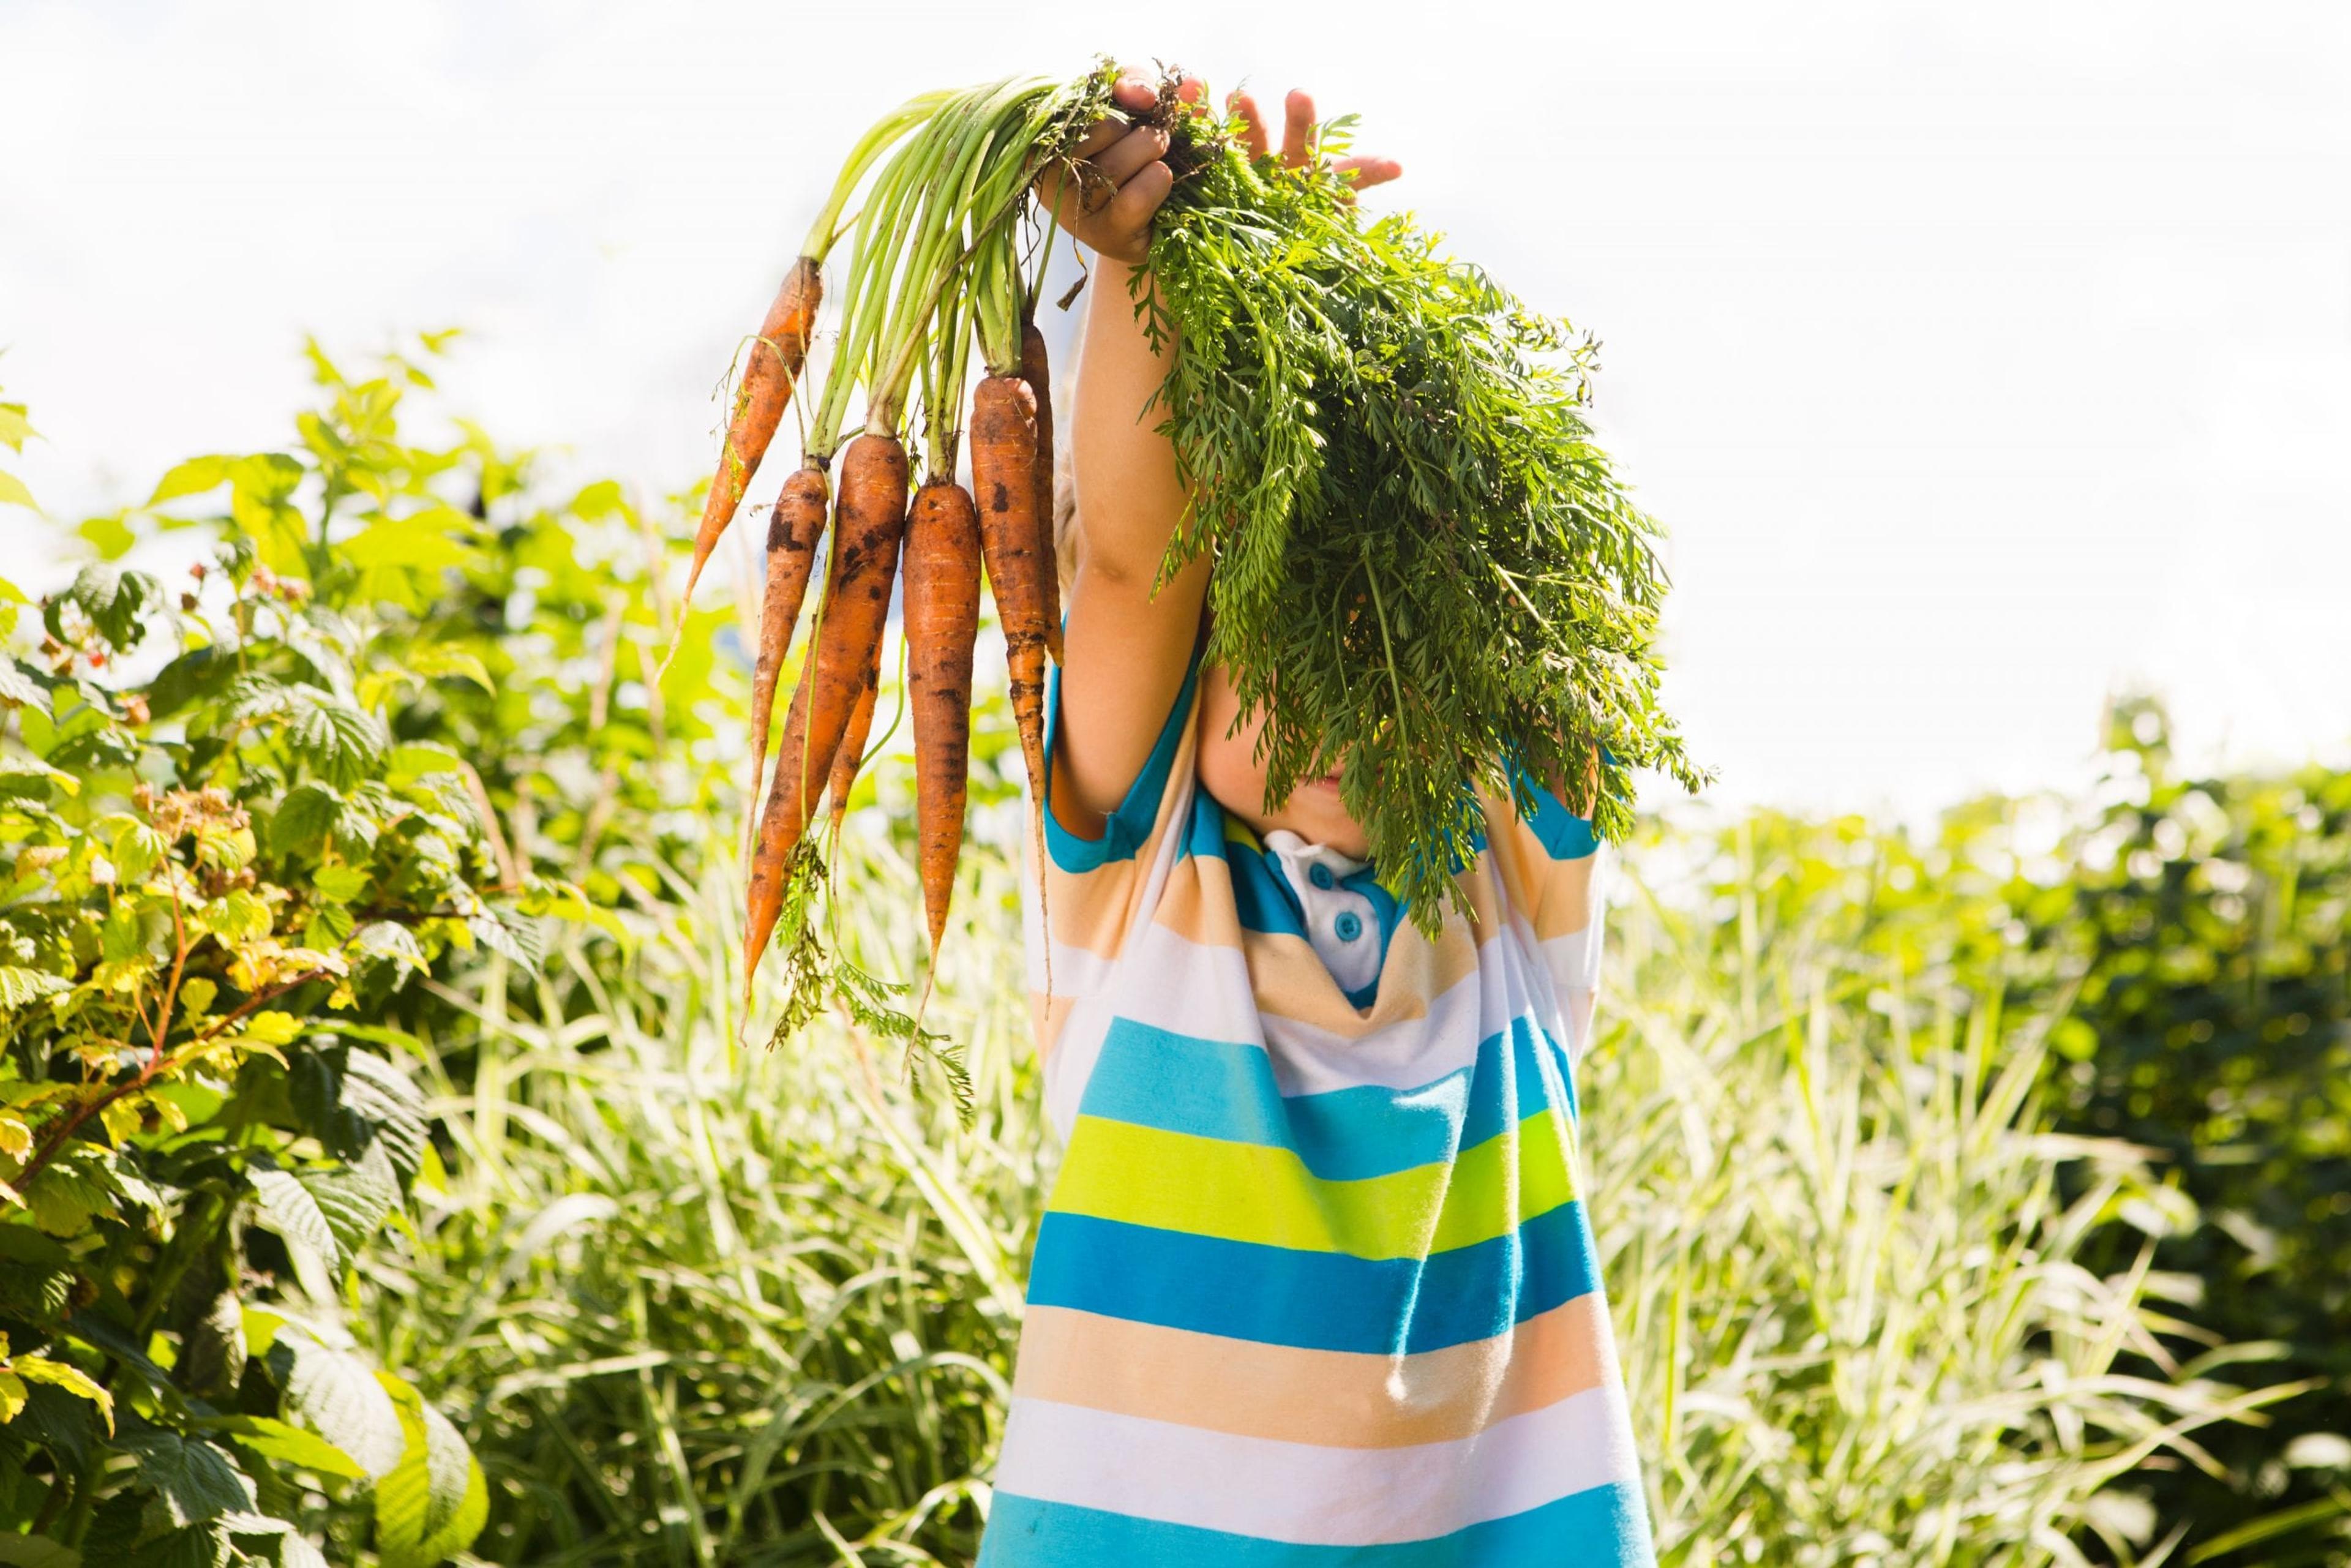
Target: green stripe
[(1263, 1195)]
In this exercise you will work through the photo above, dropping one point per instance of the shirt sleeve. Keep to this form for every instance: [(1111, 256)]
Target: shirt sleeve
[(1554, 870), (1095, 892)]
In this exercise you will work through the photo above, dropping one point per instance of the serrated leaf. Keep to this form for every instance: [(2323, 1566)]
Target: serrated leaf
[(303, 819), (109, 535), (337, 1397), (66, 1379), (425, 542), (354, 1199), (260, 1524), (334, 738), (34, 1284), (212, 1348), (34, 776), (135, 849), (21, 986), (422, 757), (295, 1551), (117, 1342), (199, 672), (434, 1501), (11, 1396), (437, 662), (14, 493), (198, 1546), (353, 1102), (340, 884), (289, 1446), (72, 1192), (113, 601), (17, 684), (390, 941), (194, 477), (518, 936), (236, 917), (292, 1210), (36, 1551), (58, 1422), (196, 1478), (393, 1107)]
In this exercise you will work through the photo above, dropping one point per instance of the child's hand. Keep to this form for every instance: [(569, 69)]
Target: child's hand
[(1109, 209)]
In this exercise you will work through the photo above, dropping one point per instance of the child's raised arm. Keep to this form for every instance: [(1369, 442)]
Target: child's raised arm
[(1127, 648)]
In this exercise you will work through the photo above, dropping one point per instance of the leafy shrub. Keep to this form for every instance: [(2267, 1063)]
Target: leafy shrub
[(226, 876), (2212, 916), (1875, 1308)]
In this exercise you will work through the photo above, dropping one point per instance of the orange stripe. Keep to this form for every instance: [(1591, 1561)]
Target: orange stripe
[(1334, 1398), (1197, 904), (1049, 1021), (1291, 982)]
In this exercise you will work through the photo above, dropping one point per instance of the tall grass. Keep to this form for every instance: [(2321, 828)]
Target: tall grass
[(713, 1303), (1845, 1248)]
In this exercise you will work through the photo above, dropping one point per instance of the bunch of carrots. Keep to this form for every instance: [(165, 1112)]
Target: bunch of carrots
[(1414, 524), (937, 266)]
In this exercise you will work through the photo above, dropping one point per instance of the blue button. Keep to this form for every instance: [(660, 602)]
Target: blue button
[(1320, 875), (1348, 925)]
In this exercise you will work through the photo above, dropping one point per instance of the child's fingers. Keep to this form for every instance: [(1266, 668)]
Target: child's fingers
[(1361, 173), (1071, 198), (1134, 92), (1143, 145), (1297, 128), (1252, 123), (1129, 210), (1099, 135), (1054, 188)]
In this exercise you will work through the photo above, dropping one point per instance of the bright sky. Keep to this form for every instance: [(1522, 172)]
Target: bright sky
[(1981, 358)]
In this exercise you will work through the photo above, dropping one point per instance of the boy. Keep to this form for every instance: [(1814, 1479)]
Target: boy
[(1312, 1287)]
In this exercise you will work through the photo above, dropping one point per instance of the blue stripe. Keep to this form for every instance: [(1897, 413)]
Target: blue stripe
[(1216, 1089), (1181, 1084), (1563, 835), (1260, 898), (1124, 830), (1345, 1135), (1602, 1527), (1313, 1300), (1205, 833)]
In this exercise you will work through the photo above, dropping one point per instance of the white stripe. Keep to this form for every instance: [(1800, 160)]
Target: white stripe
[(1308, 1494), (1202, 990), (1199, 989), (1407, 1053)]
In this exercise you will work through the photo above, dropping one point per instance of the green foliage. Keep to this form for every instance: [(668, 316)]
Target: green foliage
[(239, 841), (716, 1306), (655, 1298), (2213, 920), (1424, 562), (1877, 1308)]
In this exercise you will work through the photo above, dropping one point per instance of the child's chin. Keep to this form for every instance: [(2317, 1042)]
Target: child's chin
[(1322, 820)]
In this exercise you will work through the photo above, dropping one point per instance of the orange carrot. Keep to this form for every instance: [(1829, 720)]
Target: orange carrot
[(759, 400), (852, 752), (793, 530), (1003, 471), (870, 524), (942, 611), (1038, 373)]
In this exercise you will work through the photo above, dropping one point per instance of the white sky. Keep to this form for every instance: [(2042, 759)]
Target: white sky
[(1981, 358)]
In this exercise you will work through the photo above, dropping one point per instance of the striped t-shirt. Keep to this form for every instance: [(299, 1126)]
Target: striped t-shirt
[(1313, 1287)]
